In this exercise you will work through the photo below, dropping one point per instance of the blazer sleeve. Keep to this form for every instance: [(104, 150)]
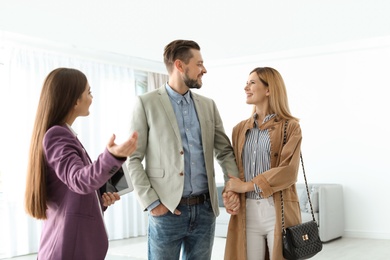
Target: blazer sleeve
[(65, 155), (223, 149)]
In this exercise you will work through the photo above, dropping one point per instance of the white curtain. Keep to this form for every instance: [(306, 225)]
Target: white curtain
[(23, 70)]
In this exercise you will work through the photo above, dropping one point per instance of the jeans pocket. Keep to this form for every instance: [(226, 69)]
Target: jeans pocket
[(161, 216), (207, 204)]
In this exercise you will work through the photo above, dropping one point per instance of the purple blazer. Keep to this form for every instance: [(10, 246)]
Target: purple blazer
[(74, 228)]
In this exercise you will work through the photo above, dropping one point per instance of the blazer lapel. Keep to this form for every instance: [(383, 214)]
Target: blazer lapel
[(167, 105), (102, 189), (200, 111)]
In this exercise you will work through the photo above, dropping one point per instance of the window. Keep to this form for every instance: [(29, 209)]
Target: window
[(141, 82)]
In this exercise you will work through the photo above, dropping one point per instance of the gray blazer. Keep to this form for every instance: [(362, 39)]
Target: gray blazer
[(159, 142)]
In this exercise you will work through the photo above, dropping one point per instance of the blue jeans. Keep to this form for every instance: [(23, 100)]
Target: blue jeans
[(192, 231)]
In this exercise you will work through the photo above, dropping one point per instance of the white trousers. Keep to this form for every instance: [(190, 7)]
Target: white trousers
[(260, 225)]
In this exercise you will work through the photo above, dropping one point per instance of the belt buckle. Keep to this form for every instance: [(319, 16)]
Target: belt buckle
[(195, 200), (188, 201)]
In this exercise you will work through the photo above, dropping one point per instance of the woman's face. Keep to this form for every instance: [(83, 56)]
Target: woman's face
[(256, 92), (84, 102)]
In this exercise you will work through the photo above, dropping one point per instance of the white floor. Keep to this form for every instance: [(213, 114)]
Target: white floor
[(343, 249)]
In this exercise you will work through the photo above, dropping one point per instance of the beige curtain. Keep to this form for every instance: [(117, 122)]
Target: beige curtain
[(156, 80)]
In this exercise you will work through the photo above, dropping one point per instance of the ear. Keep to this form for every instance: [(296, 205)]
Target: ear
[(77, 103), (179, 65), (267, 92)]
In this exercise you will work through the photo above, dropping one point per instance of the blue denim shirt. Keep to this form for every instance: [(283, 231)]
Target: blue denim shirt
[(195, 177)]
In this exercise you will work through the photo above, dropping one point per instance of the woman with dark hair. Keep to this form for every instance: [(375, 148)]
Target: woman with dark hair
[(62, 182), (266, 166)]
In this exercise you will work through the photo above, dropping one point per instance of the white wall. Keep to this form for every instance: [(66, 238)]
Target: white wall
[(340, 93)]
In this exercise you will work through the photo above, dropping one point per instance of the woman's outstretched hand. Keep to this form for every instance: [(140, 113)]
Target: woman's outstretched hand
[(125, 149)]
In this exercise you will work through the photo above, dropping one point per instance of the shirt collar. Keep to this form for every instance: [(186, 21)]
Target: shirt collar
[(71, 129), (266, 118), (176, 96)]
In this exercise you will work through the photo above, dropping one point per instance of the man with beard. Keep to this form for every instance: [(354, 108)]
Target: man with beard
[(180, 132)]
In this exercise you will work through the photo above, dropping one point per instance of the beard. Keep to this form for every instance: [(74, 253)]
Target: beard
[(191, 83)]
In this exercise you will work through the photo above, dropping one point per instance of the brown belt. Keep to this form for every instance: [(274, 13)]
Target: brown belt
[(195, 200)]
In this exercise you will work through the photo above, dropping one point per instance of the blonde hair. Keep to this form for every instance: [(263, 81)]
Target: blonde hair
[(278, 101)]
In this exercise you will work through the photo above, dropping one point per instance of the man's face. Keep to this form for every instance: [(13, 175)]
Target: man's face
[(194, 70)]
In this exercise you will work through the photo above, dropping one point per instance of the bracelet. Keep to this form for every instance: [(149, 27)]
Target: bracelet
[(254, 185)]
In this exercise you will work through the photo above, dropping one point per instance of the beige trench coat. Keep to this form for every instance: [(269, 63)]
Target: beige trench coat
[(281, 177)]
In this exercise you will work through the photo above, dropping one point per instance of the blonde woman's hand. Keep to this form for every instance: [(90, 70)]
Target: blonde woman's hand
[(124, 149), (110, 198), (237, 185)]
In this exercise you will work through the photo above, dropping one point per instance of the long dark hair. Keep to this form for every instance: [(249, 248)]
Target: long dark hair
[(60, 91)]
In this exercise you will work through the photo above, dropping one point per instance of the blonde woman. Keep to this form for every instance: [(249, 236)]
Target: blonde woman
[(266, 167)]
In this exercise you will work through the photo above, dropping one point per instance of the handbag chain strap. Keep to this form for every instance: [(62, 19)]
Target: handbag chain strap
[(304, 175)]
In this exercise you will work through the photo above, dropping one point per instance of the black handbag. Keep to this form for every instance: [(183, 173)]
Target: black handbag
[(301, 241)]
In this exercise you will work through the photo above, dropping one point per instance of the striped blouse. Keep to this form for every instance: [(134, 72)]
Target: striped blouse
[(256, 154)]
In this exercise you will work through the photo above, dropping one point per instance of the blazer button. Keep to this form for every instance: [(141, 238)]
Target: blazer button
[(181, 174), (181, 152), (276, 154)]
